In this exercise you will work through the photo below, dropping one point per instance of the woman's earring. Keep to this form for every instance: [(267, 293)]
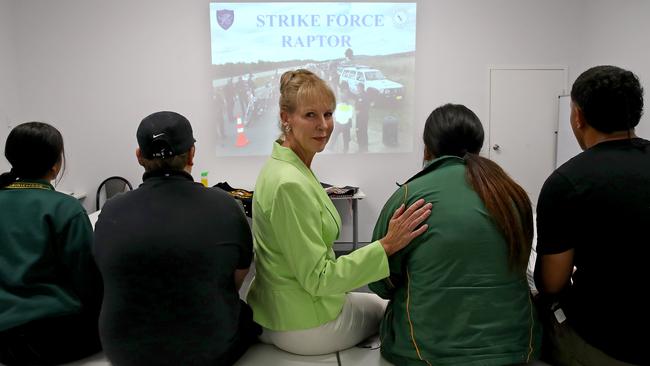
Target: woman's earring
[(287, 128)]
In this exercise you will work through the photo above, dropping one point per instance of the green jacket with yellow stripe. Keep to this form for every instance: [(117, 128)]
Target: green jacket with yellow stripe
[(453, 300), (46, 264)]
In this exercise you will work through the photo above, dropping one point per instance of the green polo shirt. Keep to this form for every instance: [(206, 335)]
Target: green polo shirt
[(46, 265), (299, 283), (453, 299)]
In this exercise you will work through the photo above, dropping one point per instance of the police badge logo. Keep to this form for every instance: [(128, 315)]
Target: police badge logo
[(225, 18)]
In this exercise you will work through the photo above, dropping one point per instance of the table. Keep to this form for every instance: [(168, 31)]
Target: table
[(93, 218), (355, 216), (78, 195)]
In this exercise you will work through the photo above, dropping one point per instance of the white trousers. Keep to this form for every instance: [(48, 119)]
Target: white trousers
[(359, 319)]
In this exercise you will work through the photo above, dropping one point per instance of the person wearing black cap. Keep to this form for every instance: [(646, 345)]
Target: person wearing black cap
[(173, 254)]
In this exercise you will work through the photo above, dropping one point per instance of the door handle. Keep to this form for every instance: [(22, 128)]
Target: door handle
[(496, 147)]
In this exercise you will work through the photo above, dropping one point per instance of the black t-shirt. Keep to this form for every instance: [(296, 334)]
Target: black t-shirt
[(598, 204), (167, 252)]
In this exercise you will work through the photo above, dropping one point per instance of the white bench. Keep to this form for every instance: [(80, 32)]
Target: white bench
[(268, 355)]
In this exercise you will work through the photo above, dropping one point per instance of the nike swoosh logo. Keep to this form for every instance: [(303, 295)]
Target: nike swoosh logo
[(158, 135)]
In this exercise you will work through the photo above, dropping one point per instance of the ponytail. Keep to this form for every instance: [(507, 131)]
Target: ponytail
[(32, 149), (508, 205)]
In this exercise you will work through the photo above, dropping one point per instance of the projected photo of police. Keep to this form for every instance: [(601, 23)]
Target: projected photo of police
[(364, 51)]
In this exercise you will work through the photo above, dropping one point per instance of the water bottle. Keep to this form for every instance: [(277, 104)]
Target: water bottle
[(204, 178)]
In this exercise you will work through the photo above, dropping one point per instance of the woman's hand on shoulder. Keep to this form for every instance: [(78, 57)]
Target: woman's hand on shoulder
[(403, 226)]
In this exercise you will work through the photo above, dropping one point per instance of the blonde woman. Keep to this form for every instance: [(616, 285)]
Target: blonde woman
[(300, 292)]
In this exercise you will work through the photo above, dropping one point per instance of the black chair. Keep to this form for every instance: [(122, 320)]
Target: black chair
[(109, 188)]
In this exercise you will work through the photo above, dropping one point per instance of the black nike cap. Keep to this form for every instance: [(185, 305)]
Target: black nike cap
[(164, 134)]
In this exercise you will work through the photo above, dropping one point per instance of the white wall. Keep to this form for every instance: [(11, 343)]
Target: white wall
[(96, 68), (617, 33), (8, 92)]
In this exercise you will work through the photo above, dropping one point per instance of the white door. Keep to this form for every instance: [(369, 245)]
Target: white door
[(523, 123)]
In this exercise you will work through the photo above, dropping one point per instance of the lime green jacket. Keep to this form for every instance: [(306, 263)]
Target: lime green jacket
[(299, 283)]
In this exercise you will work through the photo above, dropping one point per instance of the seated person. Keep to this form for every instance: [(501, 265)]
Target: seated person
[(592, 214), (173, 254), (50, 289), (458, 294), (299, 291)]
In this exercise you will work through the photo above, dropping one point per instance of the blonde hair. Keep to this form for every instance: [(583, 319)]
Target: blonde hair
[(303, 86)]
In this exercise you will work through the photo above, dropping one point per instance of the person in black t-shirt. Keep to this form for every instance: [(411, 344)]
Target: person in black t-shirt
[(172, 255), (592, 219)]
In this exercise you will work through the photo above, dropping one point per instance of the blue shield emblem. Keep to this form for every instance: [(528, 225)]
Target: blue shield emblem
[(225, 18)]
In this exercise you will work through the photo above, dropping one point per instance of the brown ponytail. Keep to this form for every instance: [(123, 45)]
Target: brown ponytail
[(508, 205)]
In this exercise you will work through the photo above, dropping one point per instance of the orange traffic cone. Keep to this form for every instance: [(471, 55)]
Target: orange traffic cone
[(241, 138)]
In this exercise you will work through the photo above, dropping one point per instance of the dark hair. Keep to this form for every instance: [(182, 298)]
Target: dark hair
[(455, 130), (175, 163), (32, 149), (610, 98)]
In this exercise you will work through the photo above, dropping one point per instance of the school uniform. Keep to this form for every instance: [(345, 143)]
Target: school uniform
[(50, 288)]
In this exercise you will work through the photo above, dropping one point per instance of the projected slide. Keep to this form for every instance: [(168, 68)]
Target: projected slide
[(365, 51)]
